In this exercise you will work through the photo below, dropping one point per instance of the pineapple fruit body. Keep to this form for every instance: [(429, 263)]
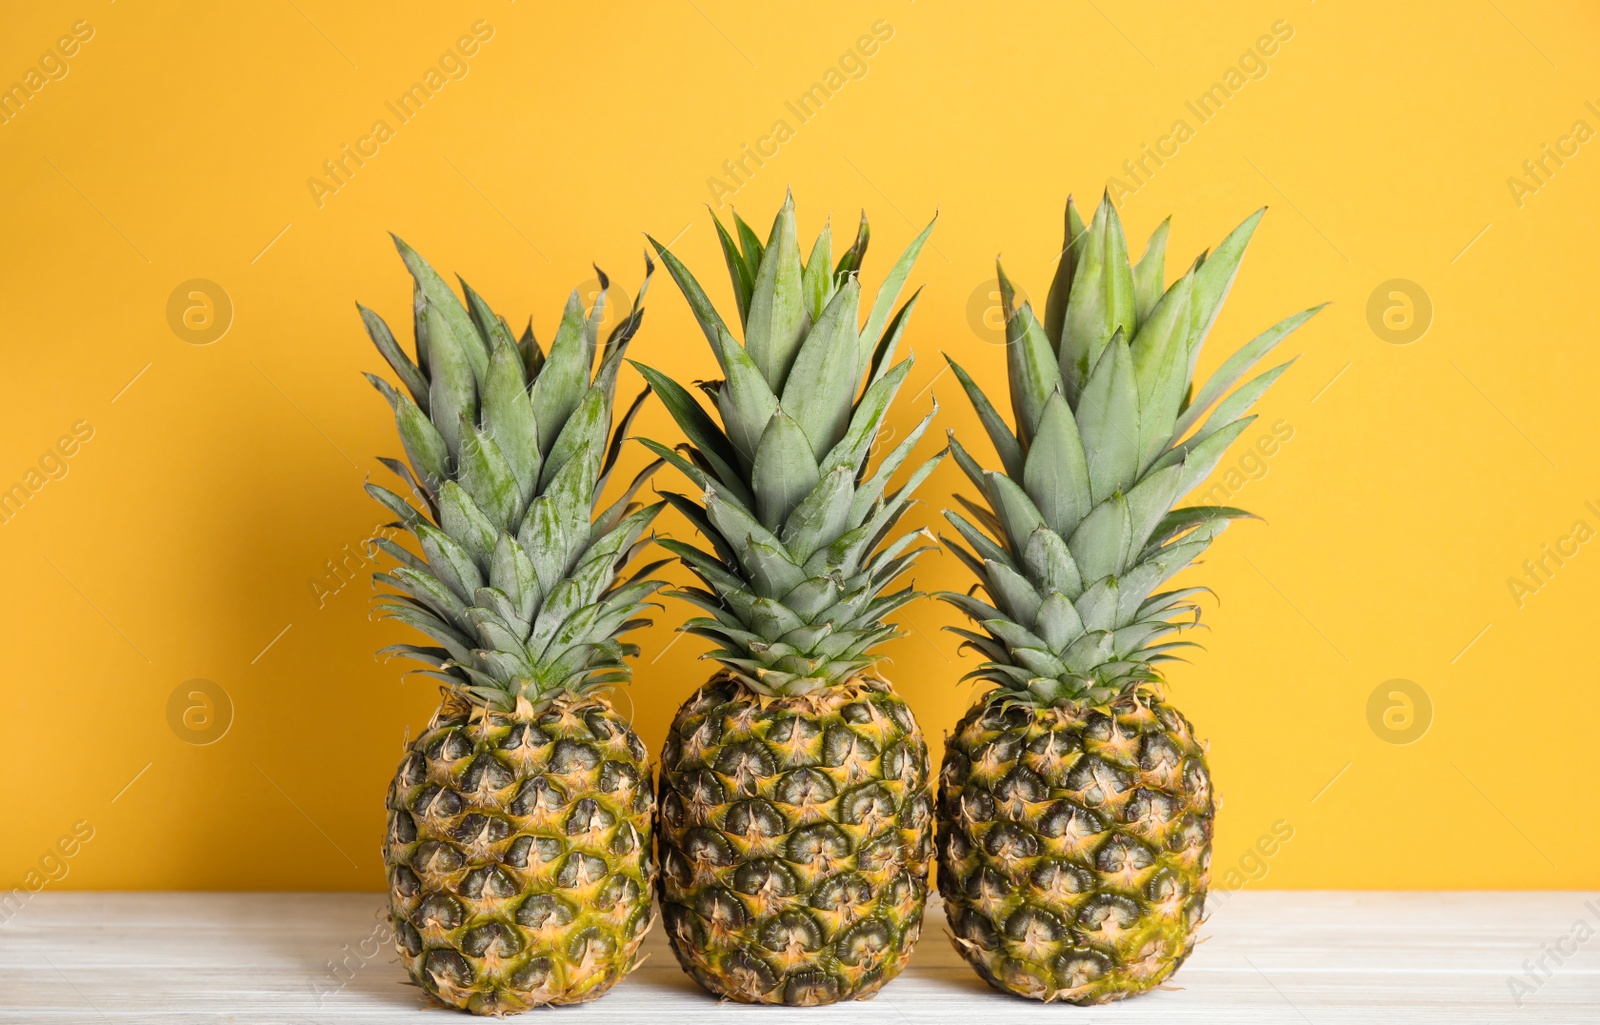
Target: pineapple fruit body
[(1075, 807), (796, 840), (519, 854), (1074, 846), (795, 809), (519, 844)]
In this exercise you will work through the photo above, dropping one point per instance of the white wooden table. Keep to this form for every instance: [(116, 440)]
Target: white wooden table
[(1292, 957)]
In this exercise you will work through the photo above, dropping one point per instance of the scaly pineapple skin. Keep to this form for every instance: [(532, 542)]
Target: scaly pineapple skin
[(796, 840), (1075, 846), (519, 854)]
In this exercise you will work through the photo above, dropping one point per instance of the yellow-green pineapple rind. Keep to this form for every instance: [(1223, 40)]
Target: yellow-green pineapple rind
[(796, 840), (1074, 845), (519, 854)]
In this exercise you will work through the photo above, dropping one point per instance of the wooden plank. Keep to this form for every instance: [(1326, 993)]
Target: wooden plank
[(1305, 958)]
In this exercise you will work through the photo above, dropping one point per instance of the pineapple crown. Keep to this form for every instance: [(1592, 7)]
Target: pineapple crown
[(1078, 529), (801, 553), (510, 449)]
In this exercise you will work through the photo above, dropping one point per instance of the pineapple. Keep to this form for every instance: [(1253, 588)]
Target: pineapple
[(519, 831), (1075, 805), (796, 809)]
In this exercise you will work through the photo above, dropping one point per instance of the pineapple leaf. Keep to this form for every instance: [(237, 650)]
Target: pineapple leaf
[(454, 641), (850, 262), (1056, 473), (816, 280), (1214, 280), (1087, 652), (750, 242), (453, 329), (1055, 306), (1050, 564), (705, 314), (1057, 622), (1097, 605), (772, 573), (1012, 591), (868, 417), (508, 417), (1158, 367), (1101, 302), (487, 476), (784, 470), (512, 574), (1107, 412), (425, 446), (491, 329), (883, 355), (1239, 364), (1005, 443), (1180, 520), (1031, 364), (738, 270), (591, 324), (563, 379), (461, 518), (1148, 502), (888, 294), (452, 391), (820, 388), (410, 375), (1150, 272), (448, 561), (744, 400), (394, 503), (696, 424), (775, 325), (1200, 457), (583, 438), (1015, 510), (980, 542), (1100, 544), (821, 515)]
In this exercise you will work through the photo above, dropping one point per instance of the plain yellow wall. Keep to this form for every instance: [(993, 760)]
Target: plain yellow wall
[(196, 523)]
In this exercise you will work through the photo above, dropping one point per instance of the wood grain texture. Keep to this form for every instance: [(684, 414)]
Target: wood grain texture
[(1302, 958)]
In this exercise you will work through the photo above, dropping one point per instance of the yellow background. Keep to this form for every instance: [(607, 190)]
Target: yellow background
[(188, 532)]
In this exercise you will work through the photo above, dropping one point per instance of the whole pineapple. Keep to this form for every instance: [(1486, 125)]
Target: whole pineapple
[(795, 804), (1075, 805), (519, 838)]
